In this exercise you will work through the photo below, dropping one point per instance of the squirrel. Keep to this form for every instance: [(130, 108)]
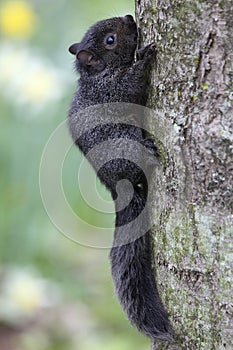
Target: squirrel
[(109, 73)]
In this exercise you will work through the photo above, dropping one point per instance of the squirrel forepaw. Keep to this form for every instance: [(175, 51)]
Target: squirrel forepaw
[(147, 52)]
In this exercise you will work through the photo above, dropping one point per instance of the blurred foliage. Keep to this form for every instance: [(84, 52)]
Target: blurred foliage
[(54, 294)]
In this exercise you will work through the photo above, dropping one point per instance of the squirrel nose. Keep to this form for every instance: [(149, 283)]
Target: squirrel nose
[(128, 19)]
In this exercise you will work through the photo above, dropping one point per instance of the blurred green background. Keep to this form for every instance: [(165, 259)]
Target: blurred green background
[(54, 294)]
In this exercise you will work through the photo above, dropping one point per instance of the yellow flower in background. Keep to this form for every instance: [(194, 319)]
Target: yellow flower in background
[(26, 293), (23, 293), (17, 19)]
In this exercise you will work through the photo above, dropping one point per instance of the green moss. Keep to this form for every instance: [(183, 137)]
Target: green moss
[(205, 86), (196, 60), (163, 154), (152, 10), (195, 98)]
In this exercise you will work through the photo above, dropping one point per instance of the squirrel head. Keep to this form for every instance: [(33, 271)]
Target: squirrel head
[(109, 43)]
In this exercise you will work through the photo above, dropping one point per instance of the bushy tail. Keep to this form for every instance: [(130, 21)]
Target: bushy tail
[(133, 276)]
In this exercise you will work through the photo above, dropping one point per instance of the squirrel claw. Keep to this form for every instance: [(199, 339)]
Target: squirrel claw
[(152, 155)]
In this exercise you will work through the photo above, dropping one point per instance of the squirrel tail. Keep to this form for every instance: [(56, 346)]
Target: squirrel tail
[(133, 275)]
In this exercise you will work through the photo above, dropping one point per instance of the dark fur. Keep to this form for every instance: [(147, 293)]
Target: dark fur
[(113, 76)]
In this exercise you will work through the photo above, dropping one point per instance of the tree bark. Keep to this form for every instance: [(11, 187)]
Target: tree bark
[(192, 89)]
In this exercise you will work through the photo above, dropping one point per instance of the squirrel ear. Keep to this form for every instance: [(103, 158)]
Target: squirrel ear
[(87, 58), (74, 48)]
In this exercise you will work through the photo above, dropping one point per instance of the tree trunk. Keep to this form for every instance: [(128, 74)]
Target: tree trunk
[(192, 90)]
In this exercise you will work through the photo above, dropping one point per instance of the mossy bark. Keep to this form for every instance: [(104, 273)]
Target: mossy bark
[(192, 88)]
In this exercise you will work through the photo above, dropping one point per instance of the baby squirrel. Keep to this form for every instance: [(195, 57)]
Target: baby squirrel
[(105, 60)]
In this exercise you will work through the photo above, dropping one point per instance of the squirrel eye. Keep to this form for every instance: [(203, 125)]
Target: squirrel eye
[(110, 40)]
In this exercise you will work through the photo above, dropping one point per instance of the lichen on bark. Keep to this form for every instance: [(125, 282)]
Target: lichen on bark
[(192, 87)]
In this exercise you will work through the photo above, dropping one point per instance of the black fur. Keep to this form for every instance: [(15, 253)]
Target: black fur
[(110, 75)]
